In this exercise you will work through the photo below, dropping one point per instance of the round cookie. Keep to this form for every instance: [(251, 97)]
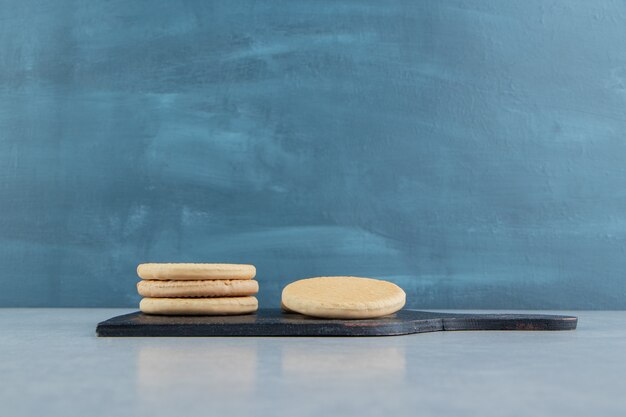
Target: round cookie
[(183, 271), (191, 288), (343, 297), (199, 306)]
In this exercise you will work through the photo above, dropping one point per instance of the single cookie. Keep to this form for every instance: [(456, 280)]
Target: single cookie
[(343, 297), (205, 288), (196, 271), (199, 306)]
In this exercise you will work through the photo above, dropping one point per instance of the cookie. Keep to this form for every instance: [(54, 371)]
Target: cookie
[(199, 306), (343, 297), (190, 288), (284, 308), (195, 271)]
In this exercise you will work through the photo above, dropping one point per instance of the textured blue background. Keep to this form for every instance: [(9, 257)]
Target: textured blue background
[(474, 152)]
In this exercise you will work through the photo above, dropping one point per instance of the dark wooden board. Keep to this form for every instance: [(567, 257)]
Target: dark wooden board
[(278, 323)]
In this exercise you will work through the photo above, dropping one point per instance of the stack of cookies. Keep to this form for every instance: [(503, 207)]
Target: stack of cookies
[(197, 289)]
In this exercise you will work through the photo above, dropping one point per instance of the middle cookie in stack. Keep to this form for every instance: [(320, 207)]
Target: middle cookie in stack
[(197, 289)]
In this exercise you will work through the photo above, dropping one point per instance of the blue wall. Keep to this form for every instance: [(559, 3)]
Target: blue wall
[(474, 152)]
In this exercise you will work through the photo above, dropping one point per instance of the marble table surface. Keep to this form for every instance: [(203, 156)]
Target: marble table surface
[(52, 364)]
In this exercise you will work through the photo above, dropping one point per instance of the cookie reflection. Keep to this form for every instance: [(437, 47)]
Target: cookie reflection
[(344, 362), (176, 373)]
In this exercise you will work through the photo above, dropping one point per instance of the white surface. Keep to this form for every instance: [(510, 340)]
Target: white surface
[(51, 364)]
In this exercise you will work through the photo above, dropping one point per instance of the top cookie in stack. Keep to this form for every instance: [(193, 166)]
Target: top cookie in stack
[(197, 289)]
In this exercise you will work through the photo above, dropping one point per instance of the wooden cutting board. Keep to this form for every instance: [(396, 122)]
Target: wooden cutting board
[(275, 322)]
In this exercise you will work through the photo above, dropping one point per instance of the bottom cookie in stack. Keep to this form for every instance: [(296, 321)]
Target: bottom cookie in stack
[(199, 306), (179, 289)]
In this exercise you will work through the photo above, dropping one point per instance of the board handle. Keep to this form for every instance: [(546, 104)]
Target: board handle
[(509, 322)]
